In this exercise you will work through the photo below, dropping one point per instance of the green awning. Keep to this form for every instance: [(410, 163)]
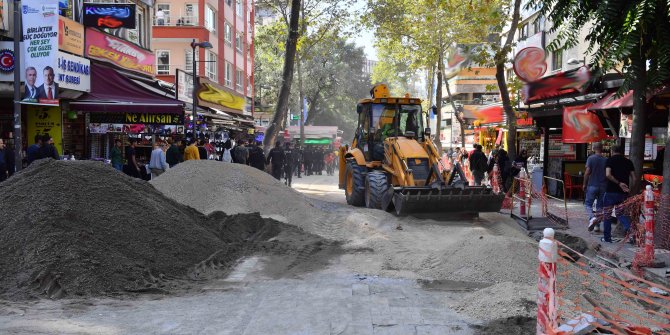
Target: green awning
[(318, 141)]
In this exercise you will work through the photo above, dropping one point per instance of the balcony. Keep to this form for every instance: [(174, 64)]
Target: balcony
[(537, 40), (176, 21)]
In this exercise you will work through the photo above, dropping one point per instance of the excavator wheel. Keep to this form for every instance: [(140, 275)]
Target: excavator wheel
[(354, 188), (375, 186)]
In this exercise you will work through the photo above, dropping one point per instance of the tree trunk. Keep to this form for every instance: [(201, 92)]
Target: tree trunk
[(662, 236), (311, 113), (461, 121), (666, 163), (638, 65), (281, 109), (501, 59), (438, 104), (508, 110)]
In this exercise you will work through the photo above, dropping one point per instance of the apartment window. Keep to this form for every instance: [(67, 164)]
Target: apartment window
[(210, 19), (188, 57), (228, 34), (163, 62), (538, 24), (239, 79), (557, 60), (238, 8), (229, 3), (210, 65), (190, 17), (162, 15), (229, 74), (238, 43), (523, 32)]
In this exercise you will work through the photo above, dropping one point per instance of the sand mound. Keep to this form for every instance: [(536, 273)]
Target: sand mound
[(82, 228), (500, 301)]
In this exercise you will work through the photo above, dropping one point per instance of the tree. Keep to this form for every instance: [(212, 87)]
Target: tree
[(633, 35), (420, 32), (281, 108)]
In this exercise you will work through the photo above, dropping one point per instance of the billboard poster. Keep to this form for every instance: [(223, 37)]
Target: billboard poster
[(107, 48), (581, 126), (4, 15), (109, 15), (184, 86), (46, 120), (40, 48)]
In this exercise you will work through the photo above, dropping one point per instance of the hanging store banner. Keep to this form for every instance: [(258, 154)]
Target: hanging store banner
[(581, 126), (70, 36), (40, 48), (565, 83), (210, 96), (46, 120), (109, 15), (73, 72), (138, 118), (121, 53)]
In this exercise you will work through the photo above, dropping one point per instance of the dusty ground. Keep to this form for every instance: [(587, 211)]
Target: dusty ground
[(424, 279)]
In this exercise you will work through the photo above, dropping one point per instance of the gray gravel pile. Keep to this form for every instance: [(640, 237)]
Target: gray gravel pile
[(79, 228), (500, 301), (210, 186)]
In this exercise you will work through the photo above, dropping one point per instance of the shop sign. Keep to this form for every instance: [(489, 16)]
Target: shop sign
[(40, 47), (211, 94), (109, 15), (70, 36), (569, 82), (8, 76), (138, 118), (107, 48), (73, 72), (6, 60), (529, 64), (4, 15), (581, 126), (46, 120), (184, 86)]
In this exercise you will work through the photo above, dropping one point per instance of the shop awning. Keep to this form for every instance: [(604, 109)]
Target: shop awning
[(113, 92), (495, 115), (568, 83), (611, 102)]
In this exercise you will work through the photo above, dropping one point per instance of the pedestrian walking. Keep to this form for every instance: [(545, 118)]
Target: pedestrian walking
[(619, 172), (173, 156), (504, 167), (595, 184), (478, 164), (257, 157), (33, 152), (520, 162), (202, 152), (116, 155), (158, 163), (288, 164), (241, 153), (298, 153), (276, 157), (10, 159), (133, 168), (191, 152), (3, 161)]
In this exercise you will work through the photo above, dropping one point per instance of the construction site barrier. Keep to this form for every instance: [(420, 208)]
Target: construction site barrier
[(604, 294), (552, 205)]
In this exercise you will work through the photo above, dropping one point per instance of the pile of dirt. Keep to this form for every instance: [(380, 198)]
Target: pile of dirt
[(210, 186), (79, 228), (499, 302)]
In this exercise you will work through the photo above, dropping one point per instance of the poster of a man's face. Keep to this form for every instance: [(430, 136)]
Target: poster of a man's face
[(48, 90), (30, 89)]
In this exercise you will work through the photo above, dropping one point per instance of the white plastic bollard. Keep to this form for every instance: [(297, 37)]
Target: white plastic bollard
[(546, 284), (649, 224)]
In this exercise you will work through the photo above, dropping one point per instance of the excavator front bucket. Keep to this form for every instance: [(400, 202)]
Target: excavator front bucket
[(468, 199)]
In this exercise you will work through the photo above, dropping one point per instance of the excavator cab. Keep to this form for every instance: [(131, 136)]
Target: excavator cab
[(393, 164)]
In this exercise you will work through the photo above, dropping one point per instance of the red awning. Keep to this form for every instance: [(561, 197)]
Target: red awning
[(494, 114), (611, 102), (113, 92)]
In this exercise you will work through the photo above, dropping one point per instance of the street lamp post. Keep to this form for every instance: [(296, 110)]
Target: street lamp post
[(204, 45), (18, 138)]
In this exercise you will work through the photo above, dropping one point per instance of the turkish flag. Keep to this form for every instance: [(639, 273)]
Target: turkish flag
[(581, 126)]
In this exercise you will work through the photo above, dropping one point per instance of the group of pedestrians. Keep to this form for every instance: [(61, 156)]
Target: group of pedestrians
[(607, 182)]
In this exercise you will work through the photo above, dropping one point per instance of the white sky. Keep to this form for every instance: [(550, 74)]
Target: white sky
[(364, 38)]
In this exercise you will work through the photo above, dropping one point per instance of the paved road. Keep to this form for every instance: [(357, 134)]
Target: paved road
[(328, 301)]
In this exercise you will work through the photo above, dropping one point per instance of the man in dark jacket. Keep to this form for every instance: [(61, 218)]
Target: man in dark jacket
[(297, 159), (277, 158), (48, 149), (288, 164), (478, 164), (201, 149), (3, 162), (256, 157), (33, 152), (173, 155)]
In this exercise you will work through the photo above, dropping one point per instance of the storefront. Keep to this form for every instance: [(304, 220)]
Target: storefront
[(491, 131), (115, 108)]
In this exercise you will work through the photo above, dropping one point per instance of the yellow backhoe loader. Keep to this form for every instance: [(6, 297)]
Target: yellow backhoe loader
[(393, 165)]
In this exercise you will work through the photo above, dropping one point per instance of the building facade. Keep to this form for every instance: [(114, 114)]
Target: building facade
[(226, 68)]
